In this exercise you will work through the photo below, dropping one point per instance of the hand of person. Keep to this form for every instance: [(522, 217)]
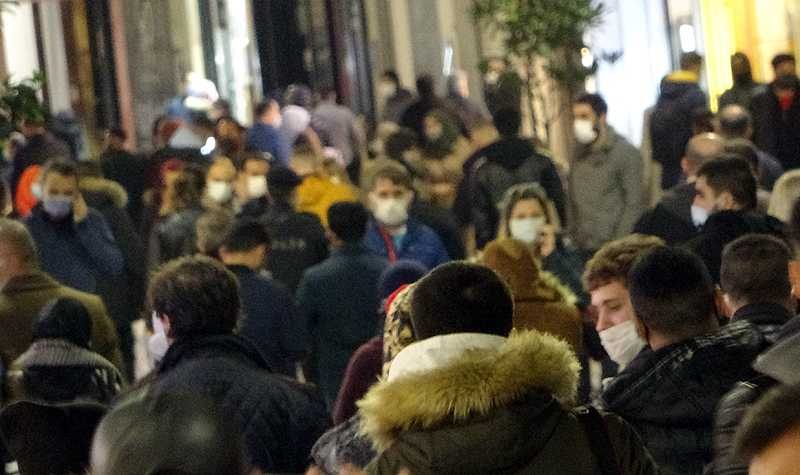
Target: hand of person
[(80, 210), (547, 240)]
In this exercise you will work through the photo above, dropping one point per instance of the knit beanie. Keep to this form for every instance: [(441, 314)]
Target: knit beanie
[(65, 319), (460, 297)]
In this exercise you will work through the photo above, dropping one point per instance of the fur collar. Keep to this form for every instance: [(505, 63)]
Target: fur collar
[(111, 189), (473, 384)]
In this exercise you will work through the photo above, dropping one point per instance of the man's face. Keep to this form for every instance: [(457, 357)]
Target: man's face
[(706, 198), (781, 456), (786, 68), (583, 111), (613, 304), (385, 189), (57, 185)]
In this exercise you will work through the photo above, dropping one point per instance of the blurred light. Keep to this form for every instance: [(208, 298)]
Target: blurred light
[(587, 58), (447, 64), (686, 34), (209, 147)]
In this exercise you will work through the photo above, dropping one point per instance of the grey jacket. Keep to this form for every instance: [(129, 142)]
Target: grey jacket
[(606, 193)]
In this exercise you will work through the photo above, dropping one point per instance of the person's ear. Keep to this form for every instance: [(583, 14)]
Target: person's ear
[(726, 200), (685, 166), (723, 303)]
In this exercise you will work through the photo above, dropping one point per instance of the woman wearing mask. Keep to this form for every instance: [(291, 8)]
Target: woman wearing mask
[(530, 217), (220, 180)]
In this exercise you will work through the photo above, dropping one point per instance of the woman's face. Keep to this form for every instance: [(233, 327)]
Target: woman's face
[(530, 208)]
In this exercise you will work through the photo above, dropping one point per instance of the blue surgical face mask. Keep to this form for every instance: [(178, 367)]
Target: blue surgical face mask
[(56, 206)]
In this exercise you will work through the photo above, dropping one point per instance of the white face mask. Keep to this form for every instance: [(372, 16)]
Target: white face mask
[(36, 190), (526, 230), (256, 186), (584, 131), (391, 211), (219, 191), (699, 215), (157, 344), (622, 343)]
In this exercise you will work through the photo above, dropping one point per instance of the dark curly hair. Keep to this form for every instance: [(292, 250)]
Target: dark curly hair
[(198, 295)]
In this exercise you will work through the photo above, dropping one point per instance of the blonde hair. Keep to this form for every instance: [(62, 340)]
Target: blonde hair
[(524, 192), (784, 195)]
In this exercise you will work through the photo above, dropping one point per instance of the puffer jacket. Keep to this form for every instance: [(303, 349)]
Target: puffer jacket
[(670, 396), (778, 365), (57, 371), (489, 409), (279, 418)]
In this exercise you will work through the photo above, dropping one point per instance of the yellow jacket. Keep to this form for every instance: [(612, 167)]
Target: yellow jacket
[(317, 193)]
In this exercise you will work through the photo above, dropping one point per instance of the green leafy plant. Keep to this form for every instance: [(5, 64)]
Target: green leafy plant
[(548, 31), (19, 101)]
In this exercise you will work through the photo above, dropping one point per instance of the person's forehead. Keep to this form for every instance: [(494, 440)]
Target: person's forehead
[(582, 108), (612, 290)]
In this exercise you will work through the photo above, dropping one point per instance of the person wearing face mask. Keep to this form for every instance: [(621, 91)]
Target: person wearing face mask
[(676, 218), (726, 194), (606, 280), (606, 178), (394, 96), (220, 179), (25, 290), (776, 114), (391, 233), (530, 217), (265, 136), (75, 243), (670, 392), (744, 87)]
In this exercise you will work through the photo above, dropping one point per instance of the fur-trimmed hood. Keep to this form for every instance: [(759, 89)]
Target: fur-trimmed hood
[(473, 384), (112, 190)]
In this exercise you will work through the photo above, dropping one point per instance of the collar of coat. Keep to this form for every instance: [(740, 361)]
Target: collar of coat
[(472, 383)]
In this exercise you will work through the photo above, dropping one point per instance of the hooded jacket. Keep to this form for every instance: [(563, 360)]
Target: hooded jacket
[(494, 405), (670, 396), (671, 122), (541, 302), (509, 161)]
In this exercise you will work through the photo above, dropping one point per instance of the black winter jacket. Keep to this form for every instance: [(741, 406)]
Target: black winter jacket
[(279, 418), (670, 396)]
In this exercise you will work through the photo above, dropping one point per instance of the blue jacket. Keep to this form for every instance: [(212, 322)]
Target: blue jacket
[(420, 244), (77, 255), (266, 138), (339, 300), (271, 321)]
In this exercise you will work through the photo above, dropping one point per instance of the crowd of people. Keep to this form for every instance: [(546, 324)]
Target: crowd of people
[(441, 298)]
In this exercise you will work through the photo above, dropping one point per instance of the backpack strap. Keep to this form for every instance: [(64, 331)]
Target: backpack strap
[(599, 440)]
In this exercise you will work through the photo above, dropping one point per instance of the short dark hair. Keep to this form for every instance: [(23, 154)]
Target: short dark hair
[(394, 173), (755, 268), (426, 86), (733, 174), (734, 121), (460, 297), (246, 235), (262, 107), (781, 58), (507, 121), (671, 291), (690, 60), (595, 101), (61, 167), (391, 75), (64, 319), (157, 433), (775, 414), (348, 221), (212, 228), (198, 294)]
